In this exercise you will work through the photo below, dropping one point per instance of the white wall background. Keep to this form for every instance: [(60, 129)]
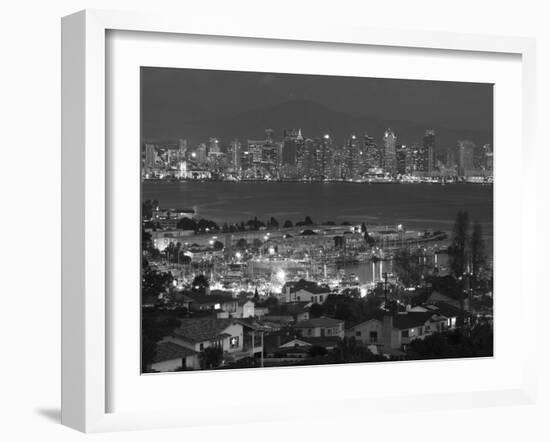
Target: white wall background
[(30, 221)]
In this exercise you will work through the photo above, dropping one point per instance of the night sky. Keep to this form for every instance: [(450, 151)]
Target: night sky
[(192, 103)]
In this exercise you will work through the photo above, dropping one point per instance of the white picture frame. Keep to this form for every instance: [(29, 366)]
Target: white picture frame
[(85, 312)]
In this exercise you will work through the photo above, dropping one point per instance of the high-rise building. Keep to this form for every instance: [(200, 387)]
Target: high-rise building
[(404, 160), (488, 157), (182, 149), (247, 158), (322, 149), (465, 157), (428, 153), (372, 157), (390, 161), (352, 159), (150, 156), (214, 145), (234, 155), (201, 154), (305, 157), (289, 151)]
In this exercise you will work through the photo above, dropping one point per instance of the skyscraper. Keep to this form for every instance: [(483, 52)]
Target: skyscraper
[(404, 160), (182, 149), (214, 146), (428, 151), (150, 156), (465, 157), (290, 137), (201, 153), (234, 155), (322, 148), (372, 155), (390, 163), (352, 159)]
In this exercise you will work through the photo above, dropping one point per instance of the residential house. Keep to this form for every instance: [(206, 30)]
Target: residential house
[(213, 301), (170, 356), (303, 290), (238, 338), (245, 309), (200, 333), (396, 331), (320, 327)]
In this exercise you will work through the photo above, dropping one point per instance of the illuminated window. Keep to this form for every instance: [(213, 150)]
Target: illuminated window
[(234, 342)]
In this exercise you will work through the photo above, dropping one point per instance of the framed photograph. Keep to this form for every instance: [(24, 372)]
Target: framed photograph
[(255, 213)]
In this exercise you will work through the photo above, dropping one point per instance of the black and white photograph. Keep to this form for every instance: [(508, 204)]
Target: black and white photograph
[(299, 219)]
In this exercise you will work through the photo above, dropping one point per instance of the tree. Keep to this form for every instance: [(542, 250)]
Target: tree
[(218, 245), (207, 225), (241, 244), (273, 223), (211, 357), (316, 311), (186, 224), (478, 250), (287, 224), (317, 350), (368, 239), (409, 267), (153, 283), (154, 327), (147, 208), (146, 240), (458, 247), (200, 284), (350, 350), (306, 222), (457, 343)]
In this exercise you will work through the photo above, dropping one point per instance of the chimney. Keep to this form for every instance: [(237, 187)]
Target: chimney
[(387, 327)]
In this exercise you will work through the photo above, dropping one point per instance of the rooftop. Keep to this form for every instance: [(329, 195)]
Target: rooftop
[(411, 319), (202, 329), (319, 322), (309, 286), (166, 351)]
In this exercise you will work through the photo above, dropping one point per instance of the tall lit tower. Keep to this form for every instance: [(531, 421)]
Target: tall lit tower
[(150, 156), (429, 151), (235, 154), (390, 160), (182, 148), (214, 146), (290, 138), (372, 153)]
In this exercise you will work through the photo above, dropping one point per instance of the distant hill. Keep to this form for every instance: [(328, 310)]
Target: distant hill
[(314, 119)]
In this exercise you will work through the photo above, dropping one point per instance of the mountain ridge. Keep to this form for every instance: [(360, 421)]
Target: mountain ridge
[(314, 119)]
